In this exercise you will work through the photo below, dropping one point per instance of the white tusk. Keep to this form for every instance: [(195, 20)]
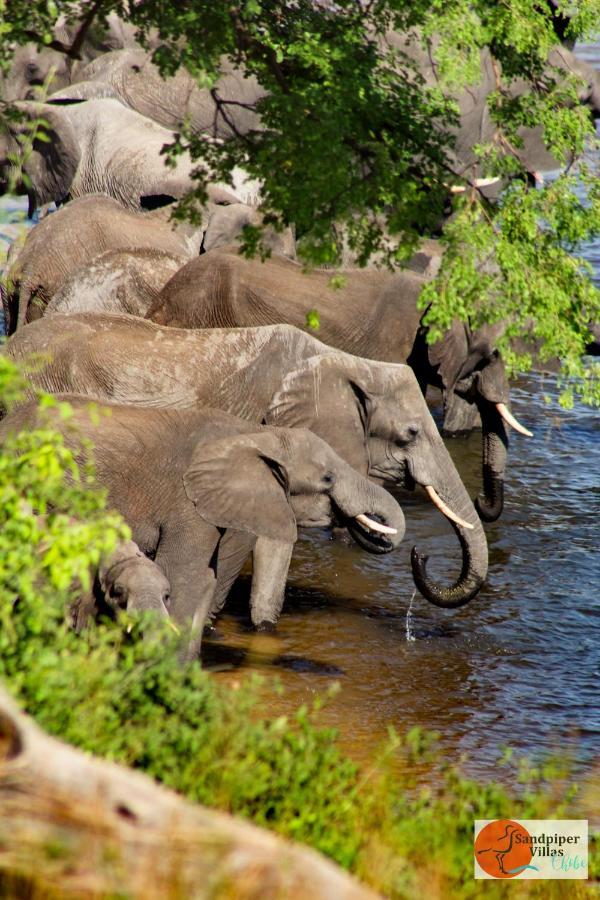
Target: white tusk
[(372, 525), (510, 419), (129, 629), (437, 501), (478, 183)]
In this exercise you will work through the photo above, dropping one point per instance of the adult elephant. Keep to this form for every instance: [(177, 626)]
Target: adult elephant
[(85, 228), (121, 281), (183, 479), (72, 237), (375, 315), (372, 414), (98, 147), (132, 77)]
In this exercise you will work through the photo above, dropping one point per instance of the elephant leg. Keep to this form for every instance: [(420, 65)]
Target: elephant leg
[(271, 564), (234, 549), (185, 549)]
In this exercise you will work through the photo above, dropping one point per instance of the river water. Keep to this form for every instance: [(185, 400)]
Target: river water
[(518, 666)]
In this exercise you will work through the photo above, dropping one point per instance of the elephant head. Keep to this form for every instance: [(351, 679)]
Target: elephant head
[(376, 417), (132, 582), (51, 162), (32, 68), (226, 222), (268, 482), (473, 380)]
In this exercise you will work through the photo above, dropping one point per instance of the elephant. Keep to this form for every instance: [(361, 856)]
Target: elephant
[(126, 580), (124, 281), (372, 414), (70, 238), (33, 67), (375, 315), (132, 77), (475, 125), (100, 147), (184, 479)]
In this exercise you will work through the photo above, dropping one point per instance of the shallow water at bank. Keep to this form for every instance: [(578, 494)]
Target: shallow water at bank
[(518, 666)]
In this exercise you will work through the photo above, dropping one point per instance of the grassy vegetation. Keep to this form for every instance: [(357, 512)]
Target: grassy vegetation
[(129, 700)]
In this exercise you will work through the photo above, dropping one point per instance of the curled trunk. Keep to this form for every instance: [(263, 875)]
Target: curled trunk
[(445, 480), (372, 516)]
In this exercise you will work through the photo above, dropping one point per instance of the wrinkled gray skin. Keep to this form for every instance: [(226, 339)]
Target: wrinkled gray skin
[(61, 244), (30, 69), (373, 414), (132, 77), (118, 281), (99, 147), (185, 480), (31, 64), (375, 315), (71, 238), (127, 580)]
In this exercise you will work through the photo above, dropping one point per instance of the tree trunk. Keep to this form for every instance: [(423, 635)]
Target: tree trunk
[(72, 825)]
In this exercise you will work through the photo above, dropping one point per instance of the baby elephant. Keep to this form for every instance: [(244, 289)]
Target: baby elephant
[(202, 489), (128, 581)]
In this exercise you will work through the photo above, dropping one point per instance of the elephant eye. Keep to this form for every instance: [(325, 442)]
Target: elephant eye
[(118, 593), (167, 600), (328, 478)]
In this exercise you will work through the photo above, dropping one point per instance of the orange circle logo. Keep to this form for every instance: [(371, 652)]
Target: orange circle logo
[(503, 849)]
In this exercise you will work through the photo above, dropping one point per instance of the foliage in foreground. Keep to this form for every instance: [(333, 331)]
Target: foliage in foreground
[(130, 700), (347, 142)]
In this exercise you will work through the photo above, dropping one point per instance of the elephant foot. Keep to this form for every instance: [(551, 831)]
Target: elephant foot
[(266, 626)]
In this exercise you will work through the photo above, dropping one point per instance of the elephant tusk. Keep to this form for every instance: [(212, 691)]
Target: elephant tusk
[(437, 501), (372, 525), (173, 626), (510, 420), (478, 183)]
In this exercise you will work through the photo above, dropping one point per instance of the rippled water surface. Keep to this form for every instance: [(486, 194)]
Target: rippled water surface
[(520, 665)]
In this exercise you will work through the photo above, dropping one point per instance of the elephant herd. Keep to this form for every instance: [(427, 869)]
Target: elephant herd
[(228, 422)]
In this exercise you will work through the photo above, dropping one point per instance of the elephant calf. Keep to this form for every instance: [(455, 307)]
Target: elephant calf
[(201, 489), (127, 580)]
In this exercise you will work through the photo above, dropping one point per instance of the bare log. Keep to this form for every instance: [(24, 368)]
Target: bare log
[(72, 825)]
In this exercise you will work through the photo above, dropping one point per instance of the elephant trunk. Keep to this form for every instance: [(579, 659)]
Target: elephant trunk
[(490, 502), (148, 603), (372, 516), (450, 490)]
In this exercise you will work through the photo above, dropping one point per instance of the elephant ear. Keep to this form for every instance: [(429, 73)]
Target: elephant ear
[(330, 395), (241, 482), (55, 154), (450, 353)]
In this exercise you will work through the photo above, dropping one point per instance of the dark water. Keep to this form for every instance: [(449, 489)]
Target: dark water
[(520, 665)]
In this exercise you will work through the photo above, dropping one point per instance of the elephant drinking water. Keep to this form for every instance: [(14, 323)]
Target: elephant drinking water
[(372, 414)]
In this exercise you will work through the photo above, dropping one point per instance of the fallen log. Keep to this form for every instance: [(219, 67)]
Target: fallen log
[(72, 825)]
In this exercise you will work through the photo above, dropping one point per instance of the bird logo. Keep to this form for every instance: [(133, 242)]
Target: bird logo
[(503, 849)]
